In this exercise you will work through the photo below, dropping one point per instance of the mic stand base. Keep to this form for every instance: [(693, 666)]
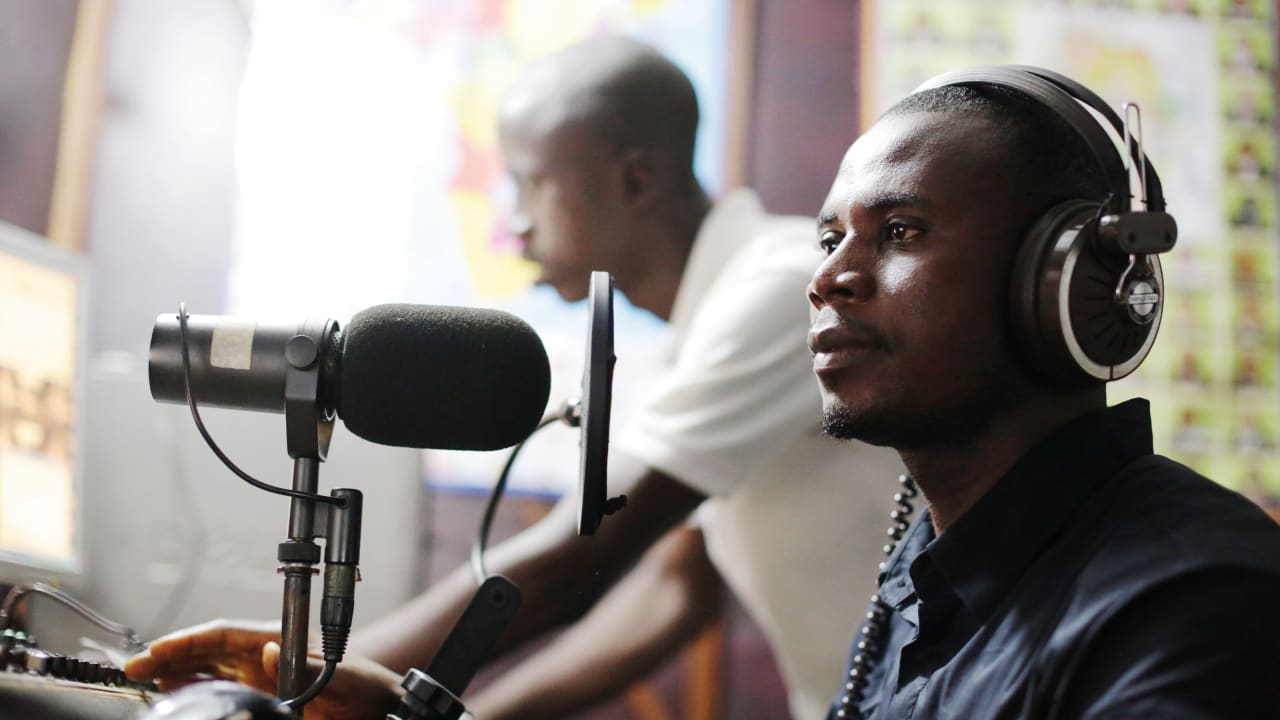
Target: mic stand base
[(433, 695), (426, 699)]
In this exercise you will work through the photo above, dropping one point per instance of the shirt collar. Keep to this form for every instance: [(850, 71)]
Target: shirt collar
[(896, 588), (985, 552)]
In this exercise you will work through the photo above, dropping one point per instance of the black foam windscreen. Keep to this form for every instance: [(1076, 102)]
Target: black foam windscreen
[(442, 377)]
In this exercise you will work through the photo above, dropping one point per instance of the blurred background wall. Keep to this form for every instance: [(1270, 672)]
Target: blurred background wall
[(287, 158), (154, 200)]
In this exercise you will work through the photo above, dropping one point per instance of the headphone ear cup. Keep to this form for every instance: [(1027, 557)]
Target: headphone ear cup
[(1035, 314), (1064, 315)]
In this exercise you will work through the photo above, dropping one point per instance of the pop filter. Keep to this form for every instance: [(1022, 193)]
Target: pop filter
[(597, 385)]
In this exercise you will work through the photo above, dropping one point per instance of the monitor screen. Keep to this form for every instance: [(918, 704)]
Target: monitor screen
[(43, 307)]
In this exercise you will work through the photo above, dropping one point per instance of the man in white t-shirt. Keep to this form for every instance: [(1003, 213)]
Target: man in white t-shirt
[(724, 466)]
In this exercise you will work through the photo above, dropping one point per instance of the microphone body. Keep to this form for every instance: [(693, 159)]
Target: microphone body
[(235, 363), (405, 375)]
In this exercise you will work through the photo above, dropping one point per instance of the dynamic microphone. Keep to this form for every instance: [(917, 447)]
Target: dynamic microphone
[(418, 376)]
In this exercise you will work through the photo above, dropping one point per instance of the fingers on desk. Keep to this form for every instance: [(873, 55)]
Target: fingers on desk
[(206, 648)]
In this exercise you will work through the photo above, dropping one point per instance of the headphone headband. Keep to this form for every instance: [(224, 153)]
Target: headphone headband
[(1064, 96)]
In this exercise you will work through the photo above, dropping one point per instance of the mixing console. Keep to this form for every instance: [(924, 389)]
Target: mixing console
[(36, 683)]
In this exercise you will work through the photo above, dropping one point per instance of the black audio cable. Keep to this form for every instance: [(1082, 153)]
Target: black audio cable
[(570, 413)]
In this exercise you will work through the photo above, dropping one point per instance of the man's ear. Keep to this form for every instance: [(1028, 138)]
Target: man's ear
[(638, 177)]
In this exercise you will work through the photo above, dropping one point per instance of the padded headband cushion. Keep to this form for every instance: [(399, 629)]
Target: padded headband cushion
[(1063, 96), (1155, 190)]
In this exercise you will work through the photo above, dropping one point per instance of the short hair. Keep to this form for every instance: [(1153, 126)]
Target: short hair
[(647, 100), (623, 92), (1042, 151)]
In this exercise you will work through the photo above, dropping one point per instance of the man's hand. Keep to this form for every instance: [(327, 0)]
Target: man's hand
[(249, 653)]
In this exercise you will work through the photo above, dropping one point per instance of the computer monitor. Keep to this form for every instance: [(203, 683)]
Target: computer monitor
[(43, 311)]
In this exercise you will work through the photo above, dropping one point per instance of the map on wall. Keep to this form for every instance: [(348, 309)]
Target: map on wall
[(369, 172), (1202, 73)]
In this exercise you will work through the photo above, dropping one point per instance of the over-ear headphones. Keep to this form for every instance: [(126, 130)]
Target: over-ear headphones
[(1087, 291)]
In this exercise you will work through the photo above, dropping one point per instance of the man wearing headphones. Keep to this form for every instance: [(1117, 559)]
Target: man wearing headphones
[(985, 276)]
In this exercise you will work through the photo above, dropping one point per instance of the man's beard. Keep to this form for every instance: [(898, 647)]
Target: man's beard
[(873, 428), (885, 429), (841, 424)]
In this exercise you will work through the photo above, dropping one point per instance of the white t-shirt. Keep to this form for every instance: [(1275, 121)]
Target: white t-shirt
[(794, 521)]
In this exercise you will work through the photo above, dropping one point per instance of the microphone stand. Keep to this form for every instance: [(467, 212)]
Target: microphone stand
[(308, 431), (298, 558), (309, 414)]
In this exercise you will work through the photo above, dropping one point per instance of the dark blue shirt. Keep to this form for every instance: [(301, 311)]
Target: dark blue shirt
[(1095, 580)]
